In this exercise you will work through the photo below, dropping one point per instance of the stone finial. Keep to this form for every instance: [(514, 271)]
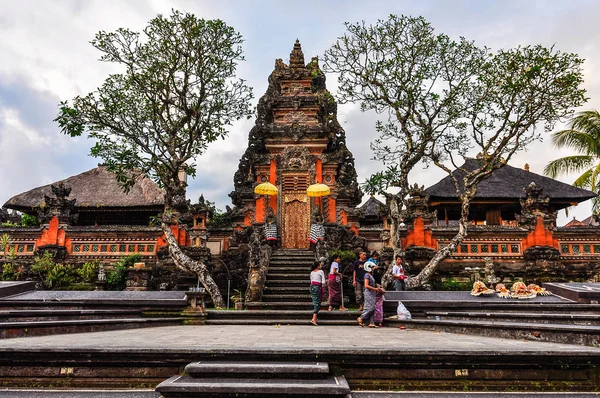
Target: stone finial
[(297, 56)]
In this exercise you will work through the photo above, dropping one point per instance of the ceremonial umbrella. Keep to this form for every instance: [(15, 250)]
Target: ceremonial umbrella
[(266, 188), (318, 190)]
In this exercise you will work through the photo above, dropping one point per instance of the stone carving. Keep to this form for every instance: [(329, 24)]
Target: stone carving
[(58, 206), (418, 206), (535, 205)]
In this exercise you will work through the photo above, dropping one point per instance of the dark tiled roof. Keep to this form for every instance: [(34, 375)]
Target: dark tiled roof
[(95, 188), (373, 207), (508, 183)]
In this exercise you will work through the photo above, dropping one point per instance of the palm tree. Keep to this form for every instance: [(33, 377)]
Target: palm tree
[(583, 135)]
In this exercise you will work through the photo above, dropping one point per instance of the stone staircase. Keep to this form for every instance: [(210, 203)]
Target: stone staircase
[(255, 379), (286, 297), (551, 320)]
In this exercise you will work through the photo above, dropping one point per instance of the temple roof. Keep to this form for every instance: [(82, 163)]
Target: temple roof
[(373, 208), (95, 188), (508, 183)]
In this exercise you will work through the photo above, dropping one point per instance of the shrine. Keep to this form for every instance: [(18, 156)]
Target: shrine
[(296, 141)]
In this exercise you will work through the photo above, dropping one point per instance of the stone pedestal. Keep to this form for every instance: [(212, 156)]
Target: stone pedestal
[(138, 279), (196, 300)]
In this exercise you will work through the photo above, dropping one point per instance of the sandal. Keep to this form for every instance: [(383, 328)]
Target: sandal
[(343, 309), (330, 308), (372, 325), (360, 322), (314, 323)]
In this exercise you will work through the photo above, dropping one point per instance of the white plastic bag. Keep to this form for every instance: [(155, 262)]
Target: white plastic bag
[(403, 313)]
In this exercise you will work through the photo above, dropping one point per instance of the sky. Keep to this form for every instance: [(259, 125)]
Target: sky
[(45, 58)]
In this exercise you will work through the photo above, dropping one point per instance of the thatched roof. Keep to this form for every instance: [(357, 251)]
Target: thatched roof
[(95, 188), (508, 183)]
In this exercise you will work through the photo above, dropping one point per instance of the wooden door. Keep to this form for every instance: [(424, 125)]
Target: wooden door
[(295, 217)]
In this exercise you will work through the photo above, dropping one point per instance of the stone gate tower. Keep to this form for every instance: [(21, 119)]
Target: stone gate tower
[(296, 141)]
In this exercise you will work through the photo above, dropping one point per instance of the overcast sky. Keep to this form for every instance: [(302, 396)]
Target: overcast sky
[(45, 57)]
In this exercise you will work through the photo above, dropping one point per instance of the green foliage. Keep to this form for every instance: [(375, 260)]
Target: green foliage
[(177, 93), (238, 296), (10, 224), (53, 276), (583, 136), (117, 277), (29, 221), (347, 257), (60, 276), (88, 271), (220, 219), (131, 259), (9, 273), (454, 285)]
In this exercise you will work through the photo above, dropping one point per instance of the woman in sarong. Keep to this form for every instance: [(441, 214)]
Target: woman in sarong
[(371, 290), (334, 284), (317, 282)]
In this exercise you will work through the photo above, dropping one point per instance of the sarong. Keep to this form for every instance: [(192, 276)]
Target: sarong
[(378, 315), (335, 290), (315, 293)]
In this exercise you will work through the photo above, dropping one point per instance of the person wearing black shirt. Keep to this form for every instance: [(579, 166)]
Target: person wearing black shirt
[(358, 278)]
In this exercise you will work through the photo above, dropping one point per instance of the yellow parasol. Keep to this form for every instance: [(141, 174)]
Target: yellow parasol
[(318, 190), (266, 188)]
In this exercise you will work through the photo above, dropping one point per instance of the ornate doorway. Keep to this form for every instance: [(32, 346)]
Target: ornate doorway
[(295, 217)]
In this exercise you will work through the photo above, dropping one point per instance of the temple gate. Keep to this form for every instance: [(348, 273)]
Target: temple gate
[(296, 141)]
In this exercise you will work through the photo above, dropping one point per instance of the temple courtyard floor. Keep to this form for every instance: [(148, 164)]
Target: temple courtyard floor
[(284, 338), (433, 352)]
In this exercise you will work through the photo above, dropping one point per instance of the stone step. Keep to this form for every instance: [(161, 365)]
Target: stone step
[(42, 328), (286, 297), (186, 386), (258, 369), (285, 289), (61, 314), (287, 263), (291, 270), (298, 276), (287, 314), (284, 305), (287, 282), (535, 317), (557, 333), (284, 322)]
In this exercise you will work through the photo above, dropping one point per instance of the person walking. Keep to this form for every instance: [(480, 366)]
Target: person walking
[(334, 284), (398, 273), (371, 290), (358, 277), (317, 282)]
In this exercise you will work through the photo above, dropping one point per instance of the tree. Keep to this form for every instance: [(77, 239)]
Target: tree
[(446, 99), (417, 79), (177, 93), (583, 135)]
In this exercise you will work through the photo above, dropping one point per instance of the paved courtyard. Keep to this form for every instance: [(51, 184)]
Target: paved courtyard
[(285, 338)]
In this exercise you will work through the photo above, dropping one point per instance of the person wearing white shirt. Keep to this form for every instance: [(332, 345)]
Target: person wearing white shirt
[(398, 273), (317, 283)]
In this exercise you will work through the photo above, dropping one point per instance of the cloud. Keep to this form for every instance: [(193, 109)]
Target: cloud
[(45, 57)]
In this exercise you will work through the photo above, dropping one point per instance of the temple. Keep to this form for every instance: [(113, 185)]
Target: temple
[(296, 142)]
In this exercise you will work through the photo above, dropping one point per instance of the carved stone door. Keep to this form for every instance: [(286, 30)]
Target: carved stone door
[(295, 217)]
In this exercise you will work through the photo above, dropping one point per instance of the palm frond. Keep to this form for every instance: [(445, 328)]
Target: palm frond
[(569, 164), (584, 180), (581, 142), (588, 122)]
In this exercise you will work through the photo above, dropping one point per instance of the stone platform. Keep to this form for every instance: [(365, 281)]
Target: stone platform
[(370, 359), (588, 293)]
